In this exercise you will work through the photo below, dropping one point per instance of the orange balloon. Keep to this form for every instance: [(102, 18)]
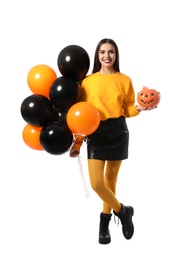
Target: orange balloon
[(40, 78), (31, 136), (83, 118)]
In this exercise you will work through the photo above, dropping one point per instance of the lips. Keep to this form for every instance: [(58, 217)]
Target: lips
[(107, 61)]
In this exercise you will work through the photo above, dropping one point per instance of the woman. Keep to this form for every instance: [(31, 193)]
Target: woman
[(112, 93)]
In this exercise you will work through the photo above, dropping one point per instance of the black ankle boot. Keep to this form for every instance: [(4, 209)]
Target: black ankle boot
[(104, 234), (125, 217)]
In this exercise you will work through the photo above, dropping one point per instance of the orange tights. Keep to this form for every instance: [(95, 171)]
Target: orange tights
[(103, 179)]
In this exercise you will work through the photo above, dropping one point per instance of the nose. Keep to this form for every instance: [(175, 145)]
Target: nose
[(107, 54)]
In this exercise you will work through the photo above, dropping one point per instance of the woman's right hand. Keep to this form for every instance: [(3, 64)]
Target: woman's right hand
[(74, 153), (75, 149)]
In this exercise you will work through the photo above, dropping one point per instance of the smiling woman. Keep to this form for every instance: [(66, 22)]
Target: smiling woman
[(112, 93), (43, 211)]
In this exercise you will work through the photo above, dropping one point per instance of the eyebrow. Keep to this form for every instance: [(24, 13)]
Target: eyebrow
[(108, 50)]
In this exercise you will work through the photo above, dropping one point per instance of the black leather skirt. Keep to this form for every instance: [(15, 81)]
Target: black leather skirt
[(110, 141)]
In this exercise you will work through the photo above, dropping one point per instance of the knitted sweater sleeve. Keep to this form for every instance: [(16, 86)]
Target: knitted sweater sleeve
[(129, 103)]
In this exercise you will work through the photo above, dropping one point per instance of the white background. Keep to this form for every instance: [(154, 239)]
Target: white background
[(44, 213)]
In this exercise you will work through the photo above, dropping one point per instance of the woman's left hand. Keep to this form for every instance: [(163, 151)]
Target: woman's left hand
[(140, 108)]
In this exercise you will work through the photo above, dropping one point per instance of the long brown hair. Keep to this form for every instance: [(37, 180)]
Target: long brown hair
[(97, 64)]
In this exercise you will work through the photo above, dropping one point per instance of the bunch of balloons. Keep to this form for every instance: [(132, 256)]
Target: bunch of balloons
[(46, 110)]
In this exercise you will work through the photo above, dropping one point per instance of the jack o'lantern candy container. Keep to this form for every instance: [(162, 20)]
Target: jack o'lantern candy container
[(148, 97)]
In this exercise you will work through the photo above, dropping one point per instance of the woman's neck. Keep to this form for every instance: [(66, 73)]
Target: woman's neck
[(105, 70)]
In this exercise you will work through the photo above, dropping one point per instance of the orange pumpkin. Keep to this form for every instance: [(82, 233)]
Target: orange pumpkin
[(148, 97)]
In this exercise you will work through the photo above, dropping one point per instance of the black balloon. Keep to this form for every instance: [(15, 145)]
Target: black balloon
[(37, 110), (64, 93), (73, 62), (59, 117), (56, 138)]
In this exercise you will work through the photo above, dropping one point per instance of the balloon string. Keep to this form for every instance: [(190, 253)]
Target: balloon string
[(80, 164)]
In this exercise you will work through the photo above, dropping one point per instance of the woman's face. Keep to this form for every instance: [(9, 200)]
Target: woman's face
[(107, 55)]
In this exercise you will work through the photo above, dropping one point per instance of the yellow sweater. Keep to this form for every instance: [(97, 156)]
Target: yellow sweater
[(112, 94)]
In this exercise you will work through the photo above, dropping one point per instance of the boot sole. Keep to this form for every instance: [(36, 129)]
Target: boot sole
[(104, 241)]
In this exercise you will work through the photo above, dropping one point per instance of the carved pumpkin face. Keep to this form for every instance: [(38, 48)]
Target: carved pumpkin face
[(148, 97)]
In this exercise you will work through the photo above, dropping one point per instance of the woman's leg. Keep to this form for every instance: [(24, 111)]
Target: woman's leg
[(99, 182), (111, 176)]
